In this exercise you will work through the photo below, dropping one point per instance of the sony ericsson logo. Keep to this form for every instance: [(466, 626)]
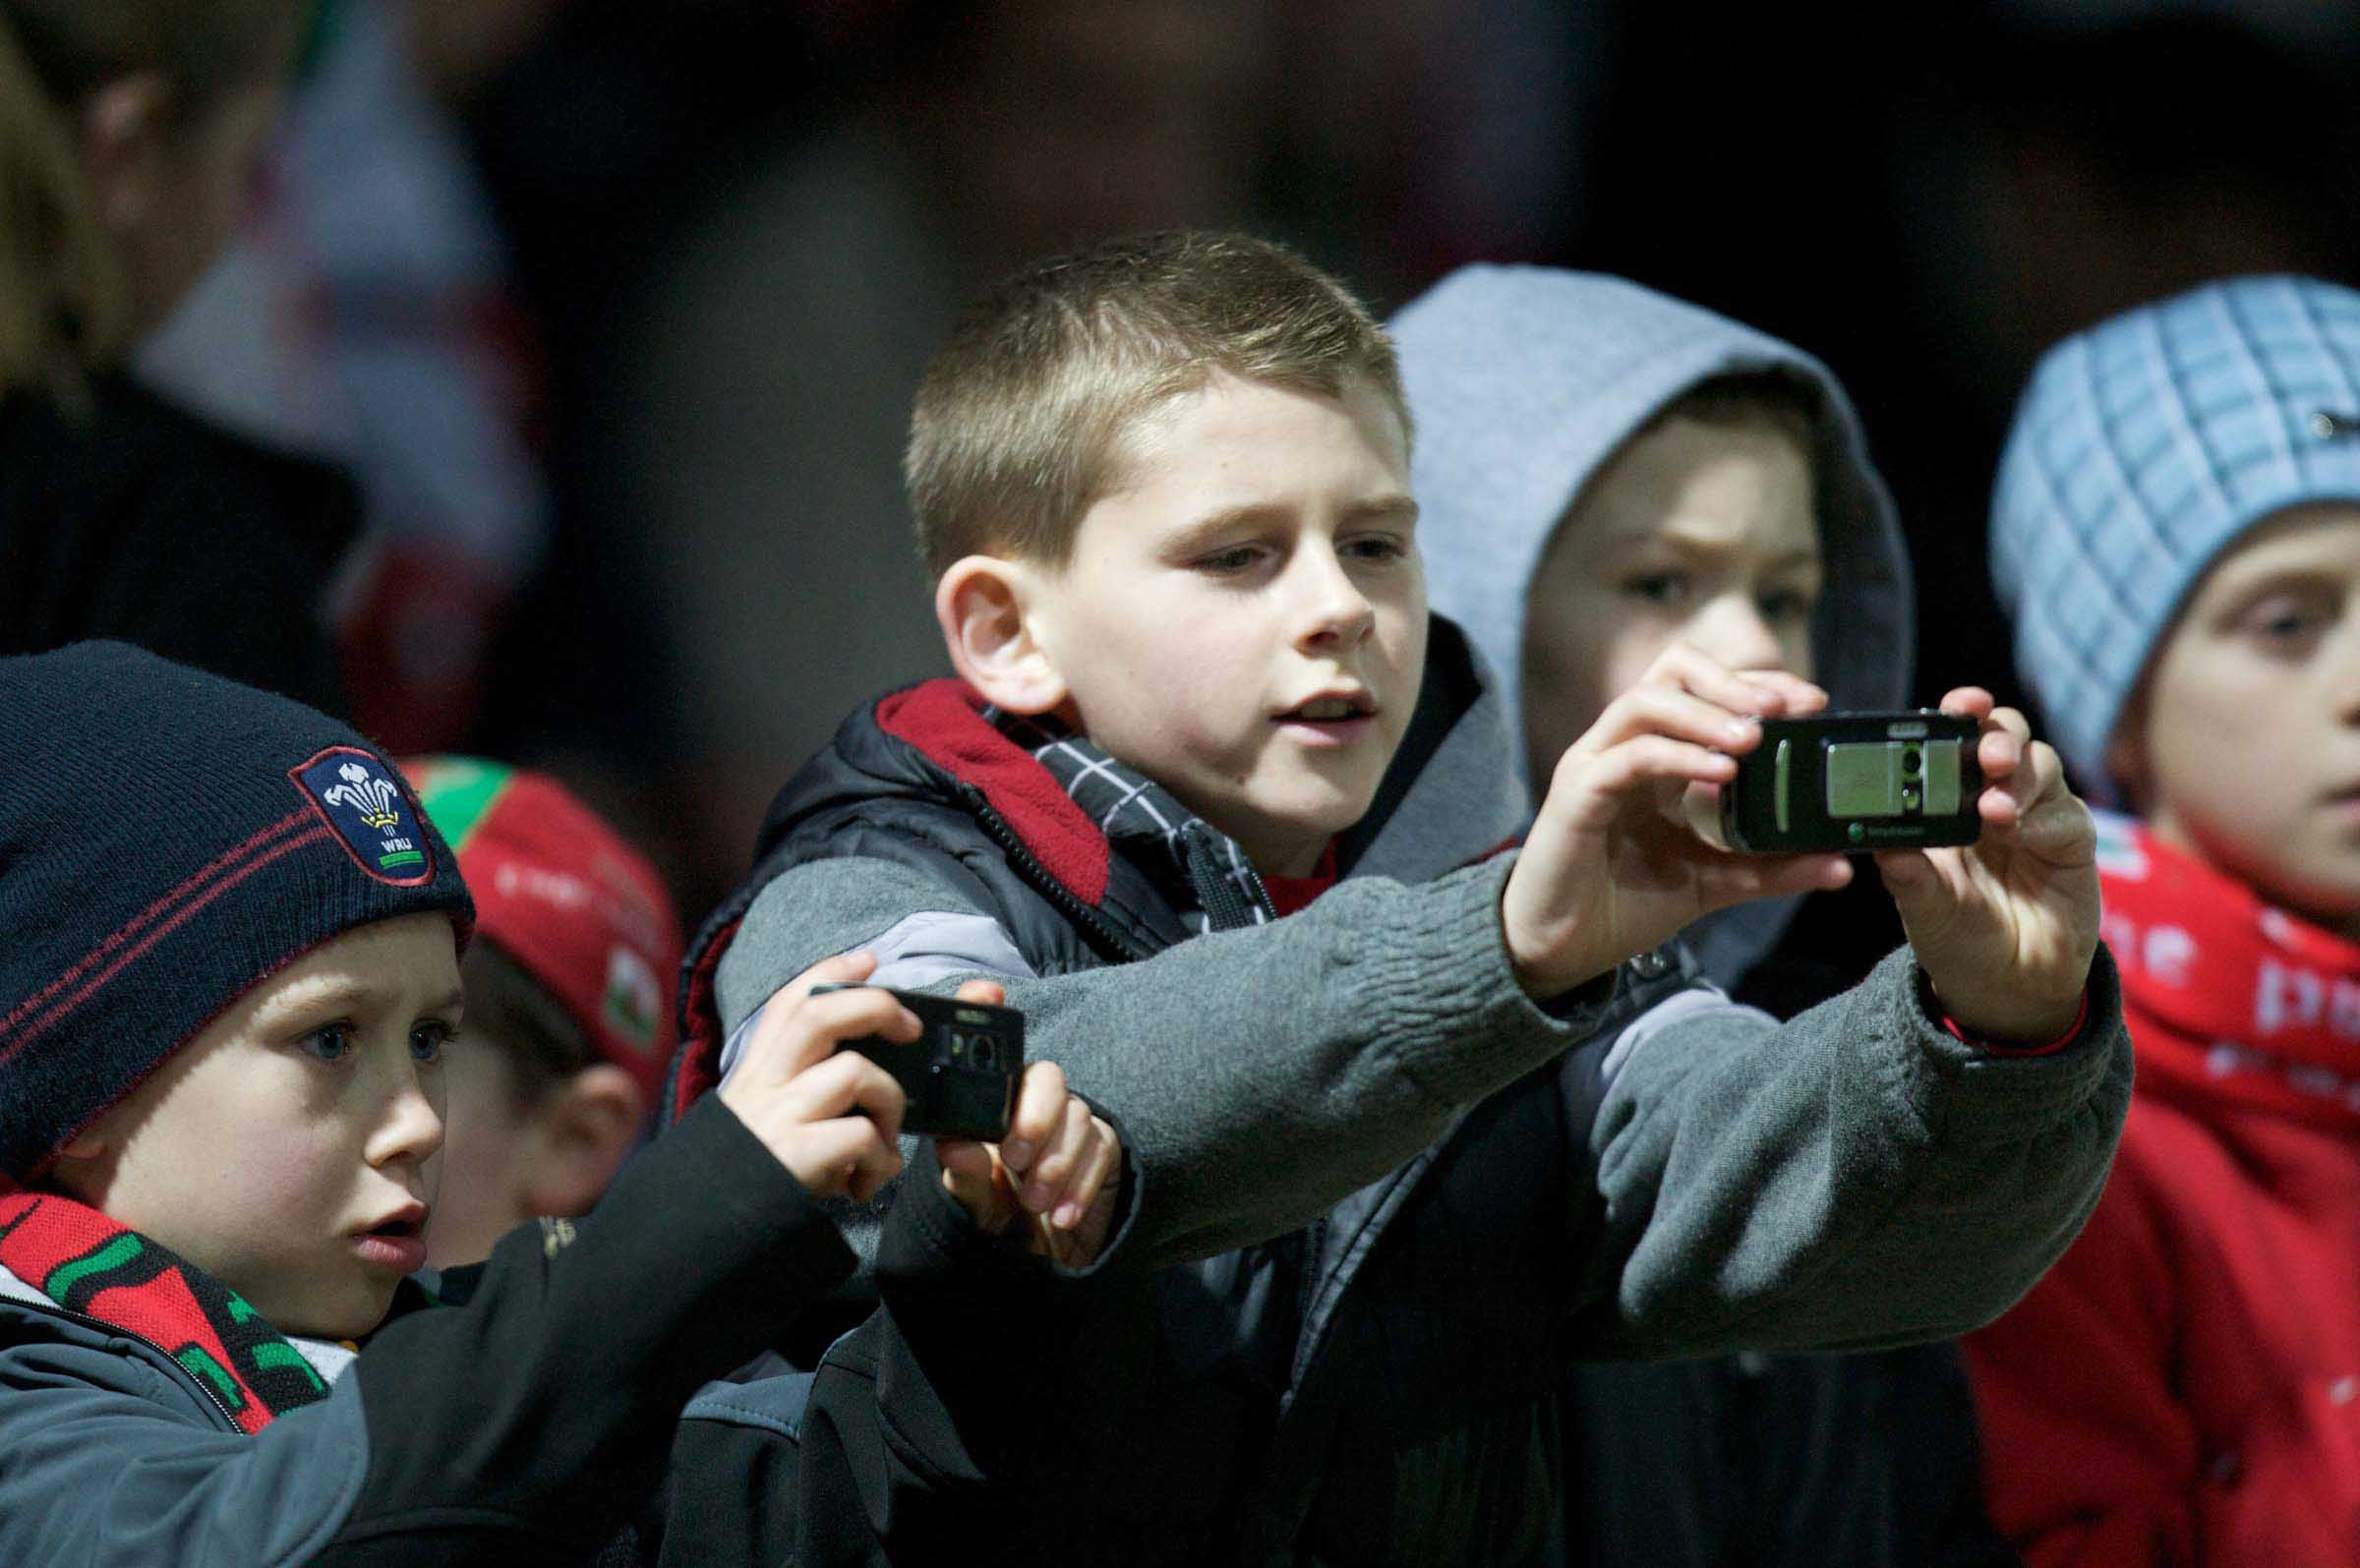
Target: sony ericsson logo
[(359, 797)]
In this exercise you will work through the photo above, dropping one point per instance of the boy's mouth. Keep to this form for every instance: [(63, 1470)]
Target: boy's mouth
[(1330, 708), (396, 1242)]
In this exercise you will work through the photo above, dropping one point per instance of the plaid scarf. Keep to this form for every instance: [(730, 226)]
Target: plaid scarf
[(87, 1264), (1200, 870)]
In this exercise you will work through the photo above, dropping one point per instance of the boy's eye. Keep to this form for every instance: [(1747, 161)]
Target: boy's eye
[(1375, 547), (1788, 604), (2289, 625), (427, 1041), (329, 1043), (1665, 589), (1235, 559)]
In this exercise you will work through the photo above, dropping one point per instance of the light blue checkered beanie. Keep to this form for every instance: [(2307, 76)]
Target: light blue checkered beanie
[(2142, 447)]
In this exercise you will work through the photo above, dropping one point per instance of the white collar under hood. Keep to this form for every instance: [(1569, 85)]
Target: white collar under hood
[(1522, 381)]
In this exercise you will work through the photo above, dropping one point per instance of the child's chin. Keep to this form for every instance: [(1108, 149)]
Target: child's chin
[(350, 1317)]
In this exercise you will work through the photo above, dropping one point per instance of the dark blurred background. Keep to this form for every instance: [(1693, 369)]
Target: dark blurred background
[(724, 234)]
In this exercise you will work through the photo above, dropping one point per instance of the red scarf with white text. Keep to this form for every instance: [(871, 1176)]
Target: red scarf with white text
[(2224, 992)]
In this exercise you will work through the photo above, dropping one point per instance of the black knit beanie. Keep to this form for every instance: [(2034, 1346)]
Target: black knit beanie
[(167, 839)]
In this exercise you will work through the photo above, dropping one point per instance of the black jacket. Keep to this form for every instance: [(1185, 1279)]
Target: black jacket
[(521, 1427), (138, 521)]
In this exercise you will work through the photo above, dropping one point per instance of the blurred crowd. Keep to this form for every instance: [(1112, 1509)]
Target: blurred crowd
[(612, 311)]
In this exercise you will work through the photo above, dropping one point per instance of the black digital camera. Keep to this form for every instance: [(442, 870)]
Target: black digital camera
[(959, 1075), (1855, 781)]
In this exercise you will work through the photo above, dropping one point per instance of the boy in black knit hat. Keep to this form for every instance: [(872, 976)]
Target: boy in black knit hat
[(228, 965)]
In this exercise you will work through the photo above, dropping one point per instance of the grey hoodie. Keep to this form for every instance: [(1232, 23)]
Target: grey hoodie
[(1523, 382)]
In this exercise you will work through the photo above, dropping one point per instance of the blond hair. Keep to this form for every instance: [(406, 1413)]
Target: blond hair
[(62, 306), (1020, 416)]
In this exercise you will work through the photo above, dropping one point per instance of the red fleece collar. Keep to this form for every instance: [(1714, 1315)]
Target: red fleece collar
[(944, 719)]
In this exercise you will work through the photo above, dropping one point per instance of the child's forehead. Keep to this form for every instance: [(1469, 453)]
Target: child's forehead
[(1220, 436), (410, 961), (1696, 481), (2321, 534)]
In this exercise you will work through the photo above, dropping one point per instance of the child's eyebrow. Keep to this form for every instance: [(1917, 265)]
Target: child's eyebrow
[(1214, 525), (1688, 543), (342, 994), (1384, 509)]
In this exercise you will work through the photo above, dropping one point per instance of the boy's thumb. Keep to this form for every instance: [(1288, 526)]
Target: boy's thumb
[(970, 1174)]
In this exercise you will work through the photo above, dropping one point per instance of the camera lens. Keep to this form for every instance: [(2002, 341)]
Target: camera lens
[(983, 1050), (1909, 760)]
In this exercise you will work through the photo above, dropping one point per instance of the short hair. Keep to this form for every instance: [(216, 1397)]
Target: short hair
[(1020, 416), (510, 1011), (1784, 400)]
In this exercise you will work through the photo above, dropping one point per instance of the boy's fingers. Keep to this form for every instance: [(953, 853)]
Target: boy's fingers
[(848, 1154), (876, 1164), (990, 992), (1682, 715), (842, 1084), (1735, 879), (1906, 872), (1767, 693), (1058, 1161), (1999, 749), (969, 1176), (844, 968), (814, 1030), (1640, 764), (1098, 1161), (1968, 702), (1039, 1106)]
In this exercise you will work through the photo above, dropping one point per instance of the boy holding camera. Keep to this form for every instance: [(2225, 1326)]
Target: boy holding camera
[(2176, 531), (1603, 472), (231, 945), (1214, 800)]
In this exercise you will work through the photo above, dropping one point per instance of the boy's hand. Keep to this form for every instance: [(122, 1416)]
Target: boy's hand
[(1058, 1170), (2005, 928), (831, 1118), (1612, 866)]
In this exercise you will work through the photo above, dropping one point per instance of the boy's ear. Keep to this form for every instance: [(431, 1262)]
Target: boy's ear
[(581, 1136), (987, 607), (81, 1169), (125, 136), (2126, 751)]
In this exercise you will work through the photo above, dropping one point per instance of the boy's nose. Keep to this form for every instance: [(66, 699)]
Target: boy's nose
[(409, 1131), (1337, 611), (1732, 631)]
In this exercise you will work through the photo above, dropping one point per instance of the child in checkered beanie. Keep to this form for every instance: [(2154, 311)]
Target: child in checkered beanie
[(2176, 531)]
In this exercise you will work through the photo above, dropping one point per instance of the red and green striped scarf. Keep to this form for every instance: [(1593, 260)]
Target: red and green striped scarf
[(87, 1263)]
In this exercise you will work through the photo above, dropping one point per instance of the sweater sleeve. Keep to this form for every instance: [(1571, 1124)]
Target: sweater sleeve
[(1318, 1052), (2090, 1457), (1854, 1179)]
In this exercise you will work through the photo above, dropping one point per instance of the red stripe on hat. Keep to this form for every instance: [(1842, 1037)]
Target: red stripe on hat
[(131, 927), (49, 1019)]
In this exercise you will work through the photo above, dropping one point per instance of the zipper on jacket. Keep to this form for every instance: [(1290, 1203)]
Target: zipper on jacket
[(118, 1331), (1043, 882)]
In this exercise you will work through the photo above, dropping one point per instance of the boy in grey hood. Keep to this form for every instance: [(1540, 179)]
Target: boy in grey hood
[(1601, 470)]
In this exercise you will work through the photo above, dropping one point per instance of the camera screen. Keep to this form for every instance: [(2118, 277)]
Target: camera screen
[(1892, 778)]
